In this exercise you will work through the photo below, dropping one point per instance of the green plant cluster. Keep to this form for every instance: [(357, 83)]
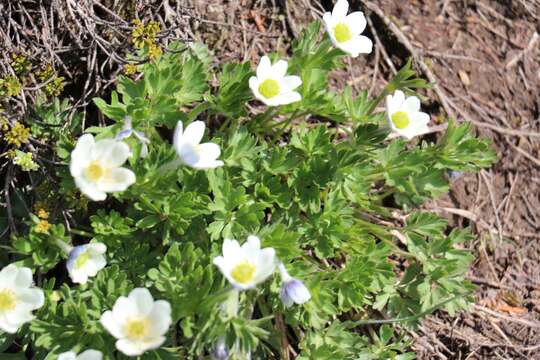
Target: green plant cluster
[(323, 194)]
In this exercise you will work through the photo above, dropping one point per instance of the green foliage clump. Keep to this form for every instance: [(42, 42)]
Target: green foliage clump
[(323, 201)]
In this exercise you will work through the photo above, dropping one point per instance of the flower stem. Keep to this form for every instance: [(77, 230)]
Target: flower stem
[(66, 248)]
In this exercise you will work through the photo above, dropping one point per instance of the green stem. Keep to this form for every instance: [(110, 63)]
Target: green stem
[(81, 233), (66, 248)]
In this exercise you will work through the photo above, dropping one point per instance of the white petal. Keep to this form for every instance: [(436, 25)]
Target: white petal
[(97, 247), (116, 179), (279, 69), (111, 153), (285, 99), (194, 132), (178, 132), (99, 262), (188, 154), (7, 326), (356, 22), (8, 276), (69, 355), (160, 317), (89, 189), (78, 276), (231, 248), (327, 19), (32, 297), (266, 264), (111, 325), (143, 300), (412, 104), (130, 348), (340, 9), (208, 164), (90, 355), (209, 151), (253, 243), (421, 118), (398, 99), (292, 82), (357, 45), (81, 155), (23, 278), (123, 309), (264, 69)]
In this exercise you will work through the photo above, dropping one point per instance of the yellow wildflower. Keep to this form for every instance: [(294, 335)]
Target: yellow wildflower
[(43, 214), (130, 69), (43, 226), (18, 134)]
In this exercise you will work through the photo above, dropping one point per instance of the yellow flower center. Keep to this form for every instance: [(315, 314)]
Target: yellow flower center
[(400, 119), (7, 300), (94, 171), (269, 88), (136, 329), (82, 259), (243, 272), (342, 32)]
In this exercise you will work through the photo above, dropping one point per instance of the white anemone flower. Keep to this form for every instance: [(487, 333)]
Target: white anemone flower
[(85, 261), (272, 86), (17, 298), (344, 30), (96, 167), (247, 265), (85, 355), (190, 150), (404, 115), (138, 322), (128, 130)]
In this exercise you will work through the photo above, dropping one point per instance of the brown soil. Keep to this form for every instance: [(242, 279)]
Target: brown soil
[(484, 56)]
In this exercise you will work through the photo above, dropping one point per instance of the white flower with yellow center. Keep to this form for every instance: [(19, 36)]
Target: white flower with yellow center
[(272, 86), (85, 261), (17, 298), (96, 167), (190, 150), (344, 30), (247, 265), (85, 355), (404, 115), (138, 322)]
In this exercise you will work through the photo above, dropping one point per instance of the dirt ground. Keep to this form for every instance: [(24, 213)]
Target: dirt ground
[(484, 57)]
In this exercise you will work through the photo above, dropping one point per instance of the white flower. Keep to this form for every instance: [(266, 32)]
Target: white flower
[(17, 298), (138, 322), (85, 355), (344, 30), (85, 261), (292, 290), (96, 167), (404, 115), (190, 150), (248, 265), (128, 130), (271, 86)]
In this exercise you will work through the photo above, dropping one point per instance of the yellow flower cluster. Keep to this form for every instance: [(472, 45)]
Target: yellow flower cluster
[(10, 86), (25, 161), (130, 69), (20, 64), (144, 36), (43, 226), (56, 85), (17, 135), (43, 214)]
